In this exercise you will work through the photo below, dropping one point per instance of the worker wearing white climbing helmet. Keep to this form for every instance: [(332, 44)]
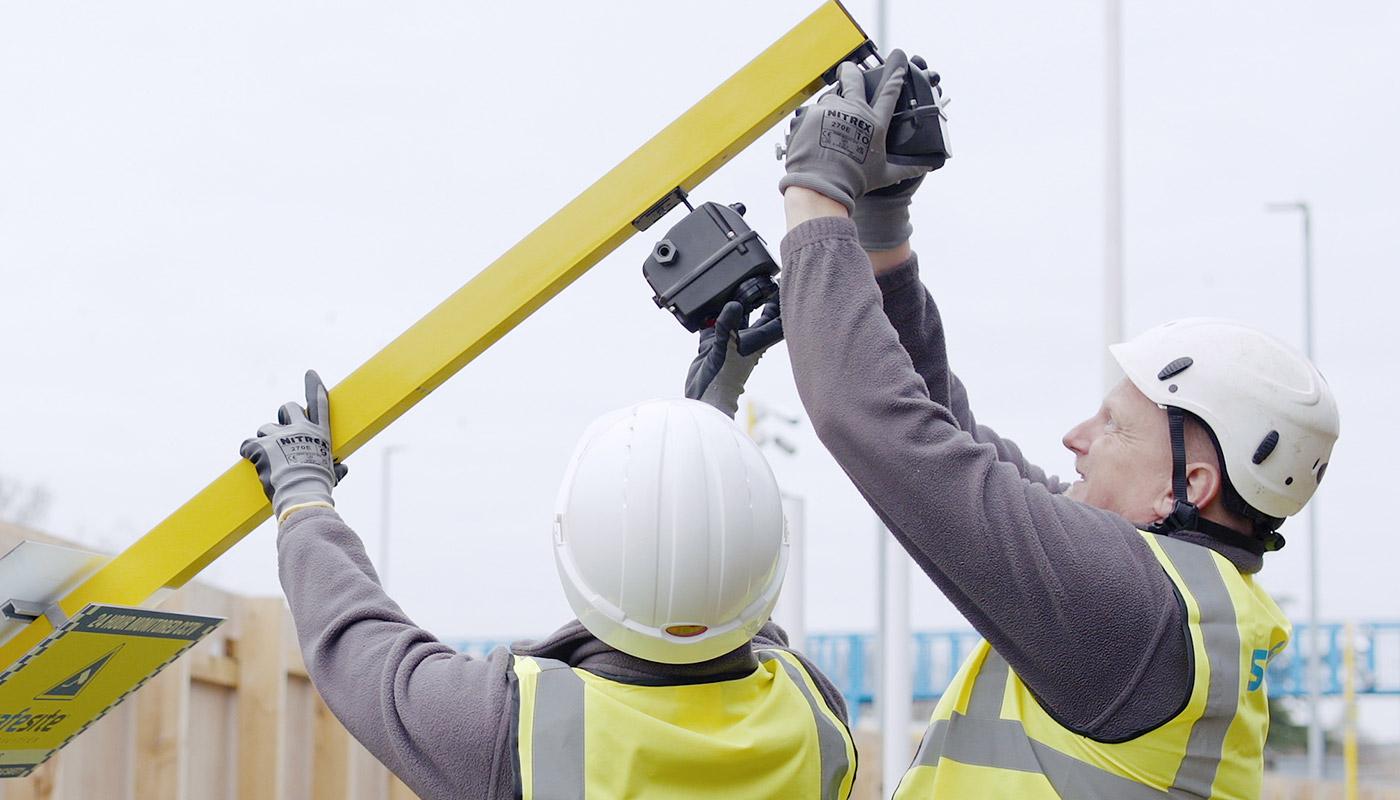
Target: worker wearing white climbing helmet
[(1263, 409), (669, 539), (1126, 639)]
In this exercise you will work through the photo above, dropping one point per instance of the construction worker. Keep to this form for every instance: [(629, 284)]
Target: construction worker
[(672, 683), (1126, 638)]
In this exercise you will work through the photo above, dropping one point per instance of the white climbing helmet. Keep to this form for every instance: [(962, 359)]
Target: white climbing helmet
[(669, 534), (1270, 409)]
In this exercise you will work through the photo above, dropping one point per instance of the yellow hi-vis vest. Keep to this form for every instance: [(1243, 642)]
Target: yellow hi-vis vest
[(990, 737), (769, 734)]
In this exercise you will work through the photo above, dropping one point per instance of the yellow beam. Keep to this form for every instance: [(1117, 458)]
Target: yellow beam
[(684, 153)]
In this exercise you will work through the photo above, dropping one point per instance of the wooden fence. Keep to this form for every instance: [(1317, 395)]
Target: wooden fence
[(234, 719)]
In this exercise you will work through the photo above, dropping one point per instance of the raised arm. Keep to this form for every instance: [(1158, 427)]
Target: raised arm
[(435, 717), (912, 312), (884, 229), (1068, 594)]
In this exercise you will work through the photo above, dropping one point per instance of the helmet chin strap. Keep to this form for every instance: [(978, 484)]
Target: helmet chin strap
[(1185, 516)]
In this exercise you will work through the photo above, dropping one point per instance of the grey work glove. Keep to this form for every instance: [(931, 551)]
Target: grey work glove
[(882, 215), (728, 353), (838, 148), (293, 455)]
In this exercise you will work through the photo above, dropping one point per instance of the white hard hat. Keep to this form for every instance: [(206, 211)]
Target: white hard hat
[(1270, 410), (669, 534)]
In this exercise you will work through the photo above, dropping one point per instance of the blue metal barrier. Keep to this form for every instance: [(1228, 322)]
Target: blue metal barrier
[(1377, 661), (852, 661), (844, 658)]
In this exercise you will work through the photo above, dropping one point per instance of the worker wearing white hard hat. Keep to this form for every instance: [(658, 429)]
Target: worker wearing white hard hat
[(1126, 638), (669, 539)]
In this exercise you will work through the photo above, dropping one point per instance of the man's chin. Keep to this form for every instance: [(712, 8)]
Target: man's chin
[(1075, 491)]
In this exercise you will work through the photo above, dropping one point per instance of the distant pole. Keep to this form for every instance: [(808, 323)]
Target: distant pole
[(882, 543), (896, 684), (882, 535), (1113, 187), (1317, 746), (791, 611), (385, 510), (792, 603), (896, 695)]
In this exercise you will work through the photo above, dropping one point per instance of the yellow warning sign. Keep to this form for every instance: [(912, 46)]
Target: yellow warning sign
[(69, 687), (80, 672)]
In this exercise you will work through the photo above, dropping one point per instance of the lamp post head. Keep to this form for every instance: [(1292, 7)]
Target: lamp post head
[(1297, 205)]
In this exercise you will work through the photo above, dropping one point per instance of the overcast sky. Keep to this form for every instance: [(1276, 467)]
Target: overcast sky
[(198, 202)]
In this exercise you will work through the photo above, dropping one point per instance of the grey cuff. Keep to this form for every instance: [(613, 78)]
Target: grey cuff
[(885, 238), (818, 184), (901, 277), (306, 514), (883, 223), (722, 397), (297, 490)]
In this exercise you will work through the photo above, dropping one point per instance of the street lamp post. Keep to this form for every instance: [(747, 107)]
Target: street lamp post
[(1113, 187), (1316, 745), (895, 697), (385, 510), (792, 603), (896, 666)]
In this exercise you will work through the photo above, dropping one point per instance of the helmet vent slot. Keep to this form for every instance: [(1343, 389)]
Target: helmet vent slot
[(1266, 447), (1176, 367)]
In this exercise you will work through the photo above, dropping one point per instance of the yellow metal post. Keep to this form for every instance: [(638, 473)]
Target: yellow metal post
[(551, 257), (1349, 723)]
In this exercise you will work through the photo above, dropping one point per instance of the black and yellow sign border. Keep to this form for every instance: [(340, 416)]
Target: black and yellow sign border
[(93, 611)]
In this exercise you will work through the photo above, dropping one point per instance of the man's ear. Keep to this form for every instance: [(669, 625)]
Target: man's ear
[(1203, 484), (1202, 489)]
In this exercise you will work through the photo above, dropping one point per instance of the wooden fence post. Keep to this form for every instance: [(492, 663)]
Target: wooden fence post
[(332, 771), (162, 734), (262, 699), (40, 785)]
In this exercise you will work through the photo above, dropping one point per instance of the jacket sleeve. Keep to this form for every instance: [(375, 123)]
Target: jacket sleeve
[(911, 310), (438, 719), (1069, 595)]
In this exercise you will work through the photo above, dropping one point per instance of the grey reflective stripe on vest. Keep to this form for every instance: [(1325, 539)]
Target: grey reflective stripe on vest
[(989, 690), (982, 738), (1003, 743), (557, 737), (830, 739), (1221, 634)]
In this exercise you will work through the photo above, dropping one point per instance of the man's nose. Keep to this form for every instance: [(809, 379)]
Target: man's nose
[(1077, 439)]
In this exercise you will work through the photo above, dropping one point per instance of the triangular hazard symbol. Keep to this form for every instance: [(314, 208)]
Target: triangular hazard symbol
[(69, 687)]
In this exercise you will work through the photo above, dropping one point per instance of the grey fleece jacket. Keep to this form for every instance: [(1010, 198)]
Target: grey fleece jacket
[(1070, 595), (441, 720)]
